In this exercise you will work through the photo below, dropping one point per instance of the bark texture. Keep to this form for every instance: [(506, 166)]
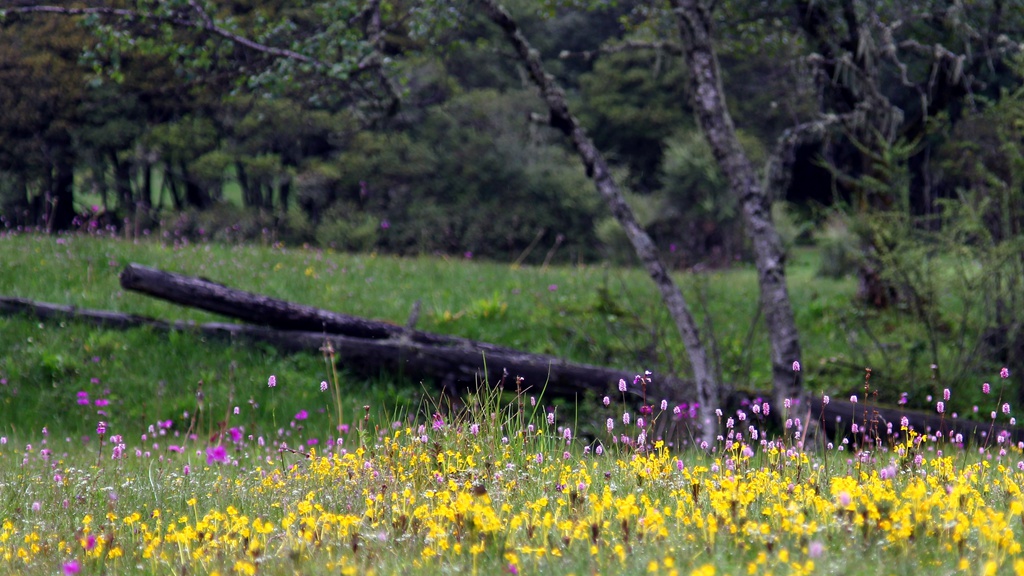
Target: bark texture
[(454, 368), (695, 26), (274, 313), (709, 390)]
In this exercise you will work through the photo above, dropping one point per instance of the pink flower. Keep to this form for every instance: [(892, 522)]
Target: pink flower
[(622, 385), (301, 415), (945, 394), (985, 389), (1004, 373), (272, 381), (323, 386), (83, 398), (72, 567), (217, 454), (796, 365), (940, 407)]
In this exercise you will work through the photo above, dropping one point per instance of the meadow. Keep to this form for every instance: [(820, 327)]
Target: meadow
[(137, 452)]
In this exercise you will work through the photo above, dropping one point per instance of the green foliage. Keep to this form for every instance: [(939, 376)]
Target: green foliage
[(346, 228), (630, 104), (471, 178), (840, 247)]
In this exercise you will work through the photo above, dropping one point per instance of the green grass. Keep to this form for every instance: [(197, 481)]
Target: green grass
[(497, 488), (153, 495), (594, 314)]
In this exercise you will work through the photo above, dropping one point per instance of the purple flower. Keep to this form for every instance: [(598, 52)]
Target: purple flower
[(940, 407), (301, 415), (622, 385), (796, 365), (72, 567), (323, 386), (83, 398), (101, 428), (217, 454), (606, 401), (1004, 373), (272, 381), (945, 394), (102, 402), (552, 287), (985, 389), (236, 434)]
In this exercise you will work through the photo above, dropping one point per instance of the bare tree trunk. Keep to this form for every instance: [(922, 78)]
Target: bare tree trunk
[(694, 20), (709, 390)]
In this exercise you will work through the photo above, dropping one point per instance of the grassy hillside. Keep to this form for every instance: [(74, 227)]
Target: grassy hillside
[(591, 314)]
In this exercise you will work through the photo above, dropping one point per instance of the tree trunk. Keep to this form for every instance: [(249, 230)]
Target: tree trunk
[(453, 367), (709, 390), (280, 314), (62, 195), (694, 20), (195, 195), (122, 183)]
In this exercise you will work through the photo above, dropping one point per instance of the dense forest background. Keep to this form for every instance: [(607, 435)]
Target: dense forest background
[(117, 122)]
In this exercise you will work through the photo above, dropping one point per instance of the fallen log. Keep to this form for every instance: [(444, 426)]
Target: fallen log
[(453, 367), (872, 419), (279, 314), (456, 369)]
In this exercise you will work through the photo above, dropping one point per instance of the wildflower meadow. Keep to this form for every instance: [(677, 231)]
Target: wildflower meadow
[(502, 487), (290, 472)]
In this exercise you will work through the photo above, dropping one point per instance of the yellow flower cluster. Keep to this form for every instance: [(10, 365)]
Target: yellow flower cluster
[(489, 507)]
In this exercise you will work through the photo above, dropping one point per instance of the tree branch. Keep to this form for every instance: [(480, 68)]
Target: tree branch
[(204, 23), (709, 389)]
